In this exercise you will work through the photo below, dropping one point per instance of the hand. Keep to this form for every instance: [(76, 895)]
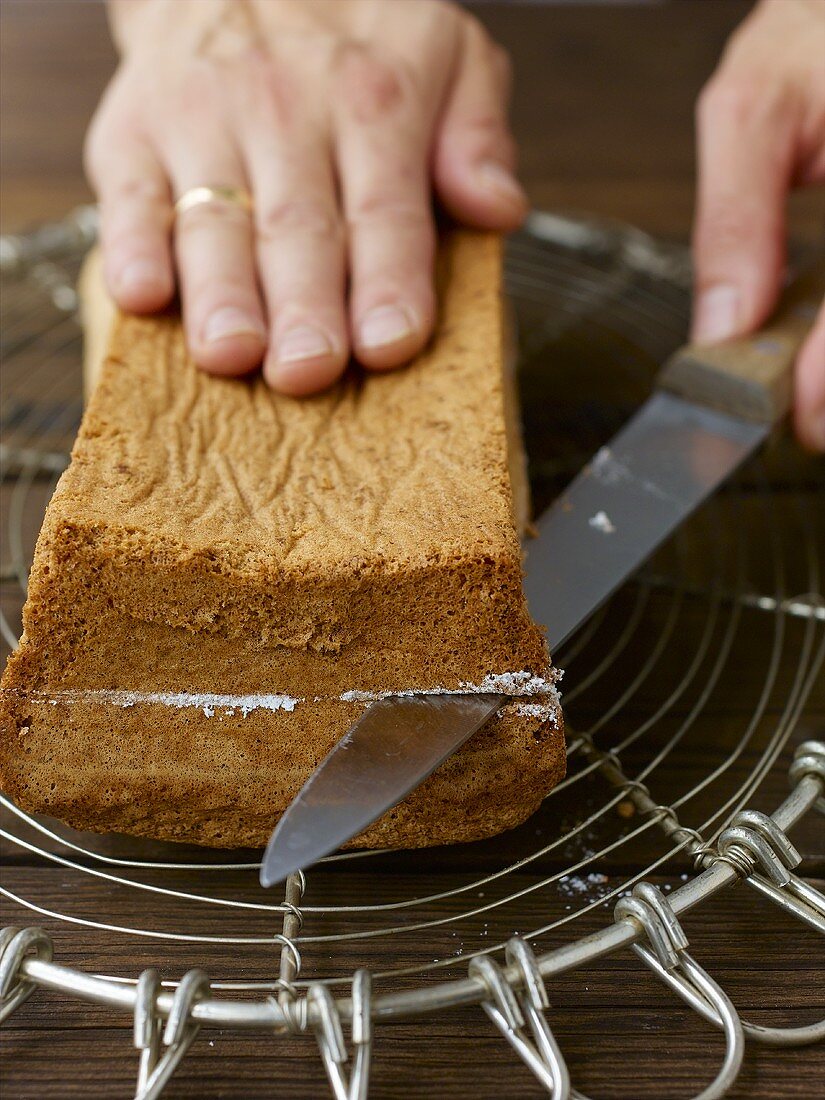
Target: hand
[(761, 131), (341, 117)]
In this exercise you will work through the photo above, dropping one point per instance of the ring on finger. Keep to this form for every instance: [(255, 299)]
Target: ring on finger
[(198, 196)]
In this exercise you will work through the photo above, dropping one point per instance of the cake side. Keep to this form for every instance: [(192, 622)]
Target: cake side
[(442, 627), (213, 772)]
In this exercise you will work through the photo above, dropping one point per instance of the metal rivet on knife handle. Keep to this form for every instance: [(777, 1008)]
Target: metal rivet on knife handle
[(751, 377)]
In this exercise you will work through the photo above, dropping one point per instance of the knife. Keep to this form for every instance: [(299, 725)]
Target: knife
[(713, 407)]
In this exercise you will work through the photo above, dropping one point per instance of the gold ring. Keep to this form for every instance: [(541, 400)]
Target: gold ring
[(197, 196)]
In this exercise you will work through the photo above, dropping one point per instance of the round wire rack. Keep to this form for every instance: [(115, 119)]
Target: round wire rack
[(600, 306)]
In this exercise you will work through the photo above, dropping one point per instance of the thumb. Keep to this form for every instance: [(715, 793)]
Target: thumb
[(745, 151), (474, 153)]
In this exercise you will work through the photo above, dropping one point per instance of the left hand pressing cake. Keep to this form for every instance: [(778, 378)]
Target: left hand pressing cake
[(226, 577)]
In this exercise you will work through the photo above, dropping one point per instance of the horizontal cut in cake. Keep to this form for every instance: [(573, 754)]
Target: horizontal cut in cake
[(226, 577)]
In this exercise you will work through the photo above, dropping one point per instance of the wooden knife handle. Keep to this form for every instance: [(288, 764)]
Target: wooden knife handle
[(751, 377)]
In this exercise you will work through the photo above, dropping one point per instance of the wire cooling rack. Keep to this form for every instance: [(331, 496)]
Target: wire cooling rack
[(600, 305)]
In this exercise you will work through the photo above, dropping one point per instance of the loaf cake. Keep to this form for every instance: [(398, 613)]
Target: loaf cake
[(226, 577)]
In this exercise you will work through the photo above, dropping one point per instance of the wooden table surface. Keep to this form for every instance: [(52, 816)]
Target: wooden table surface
[(603, 110)]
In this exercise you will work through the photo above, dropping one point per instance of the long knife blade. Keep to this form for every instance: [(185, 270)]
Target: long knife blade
[(669, 458), (634, 493), (392, 748)]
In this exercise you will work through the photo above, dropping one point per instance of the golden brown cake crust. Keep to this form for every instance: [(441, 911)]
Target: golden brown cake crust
[(211, 536)]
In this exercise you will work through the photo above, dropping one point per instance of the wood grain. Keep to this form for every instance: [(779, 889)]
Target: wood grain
[(603, 110)]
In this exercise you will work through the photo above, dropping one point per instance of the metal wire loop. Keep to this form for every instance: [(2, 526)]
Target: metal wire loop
[(533, 1000), (193, 986), (15, 945), (765, 826), (768, 1036), (299, 917), (286, 986), (694, 840), (768, 848), (691, 977), (361, 1034), (774, 856), (694, 834), (509, 1012), (661, 811), (608, 756), (809, 760), (648, 908), (519, 954), (631, 785), (147, 1026), (361, 1008), (735, 858), (291, 1005), (489, 973), (179, 1033), (761, 853), (705, 856), (587, 745), (330, 1036), (287, 943), (746, 851)]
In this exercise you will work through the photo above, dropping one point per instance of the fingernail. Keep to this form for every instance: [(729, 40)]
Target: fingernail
[(140, 274), (231, 321), (495, 177), (386, 325), (302, 342), (716, 314)]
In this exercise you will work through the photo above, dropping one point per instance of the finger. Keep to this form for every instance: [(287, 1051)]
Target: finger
[(222, 310), (382, 138), (745, 152), (135, 219), (474, 156), (300, 243), (809, 406)]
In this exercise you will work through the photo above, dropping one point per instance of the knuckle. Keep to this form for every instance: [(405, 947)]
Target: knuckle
[(141, 190), (209, 216), (312, 217), (370, 86), (135, 200), (385, 207)]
